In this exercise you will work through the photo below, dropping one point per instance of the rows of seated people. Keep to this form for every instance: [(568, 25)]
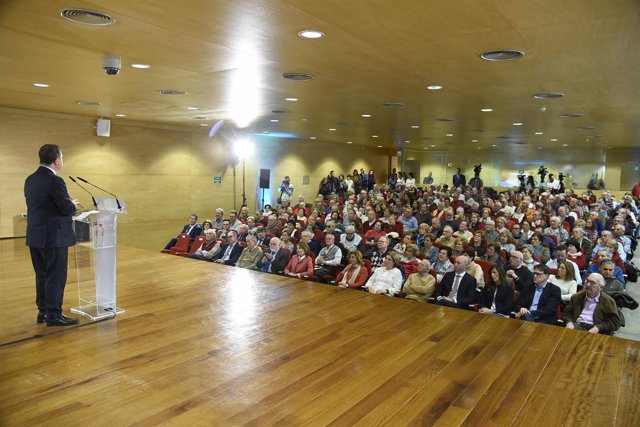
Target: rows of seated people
[(454, 247)]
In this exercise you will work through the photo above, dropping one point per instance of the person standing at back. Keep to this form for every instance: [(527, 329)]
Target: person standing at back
[(49, 234)]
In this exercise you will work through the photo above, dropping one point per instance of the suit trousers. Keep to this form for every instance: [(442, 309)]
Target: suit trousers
[(50, 265)]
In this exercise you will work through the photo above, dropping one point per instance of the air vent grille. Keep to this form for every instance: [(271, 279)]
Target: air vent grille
[(502, 55), (571, 115), (172, 92), (549, 95), (298, 77), (87, 17)]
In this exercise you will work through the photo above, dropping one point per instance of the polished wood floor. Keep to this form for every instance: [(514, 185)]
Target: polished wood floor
[(202, 344)]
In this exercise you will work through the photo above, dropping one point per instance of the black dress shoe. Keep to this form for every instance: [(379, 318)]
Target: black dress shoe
[(61, 320), (42, 317)]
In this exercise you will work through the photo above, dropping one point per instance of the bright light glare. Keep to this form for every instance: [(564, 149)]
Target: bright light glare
[(245, 93), (243, 148)]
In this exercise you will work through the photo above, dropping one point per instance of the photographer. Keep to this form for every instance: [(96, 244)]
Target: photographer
[(285, 190)]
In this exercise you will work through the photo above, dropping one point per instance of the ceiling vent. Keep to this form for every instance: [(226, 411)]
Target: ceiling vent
[(393, 104), (571, 115), (172, 92), (585, 128), (444, 119), (87, 17), (280, 111), (298, 77), (479, 130), (90, 103), (199, 118), (549, 95), (502, 55)]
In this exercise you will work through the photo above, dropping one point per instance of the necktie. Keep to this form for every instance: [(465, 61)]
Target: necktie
[(227, 253), (454, 289)]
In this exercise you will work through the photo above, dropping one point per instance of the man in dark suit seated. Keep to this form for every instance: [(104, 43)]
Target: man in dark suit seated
[(592, 310), (231, 251), (457, 288), (49, 234), (192, 229), (275, 259), (538, 302)]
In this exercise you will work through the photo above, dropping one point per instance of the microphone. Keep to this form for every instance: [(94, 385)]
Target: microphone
[(78, 184), (102, 189)]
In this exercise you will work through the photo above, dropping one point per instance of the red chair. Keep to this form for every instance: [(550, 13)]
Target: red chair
[(486, 267), (317, 235), (182, 245), (197, 243)]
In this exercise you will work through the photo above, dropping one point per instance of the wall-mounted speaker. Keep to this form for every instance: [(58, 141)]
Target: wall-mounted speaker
[(103, 127)]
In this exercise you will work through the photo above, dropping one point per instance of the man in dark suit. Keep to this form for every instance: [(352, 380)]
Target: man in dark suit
[(457, 288), (539, 301), (49, 234), (275, 258), (192, 229), (231, 251), (459, 180)]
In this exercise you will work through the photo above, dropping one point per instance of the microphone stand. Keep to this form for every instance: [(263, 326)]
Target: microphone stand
[(102, 189), (95, 205)]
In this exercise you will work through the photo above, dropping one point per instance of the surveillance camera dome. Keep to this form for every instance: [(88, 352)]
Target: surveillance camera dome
[(111, 65)]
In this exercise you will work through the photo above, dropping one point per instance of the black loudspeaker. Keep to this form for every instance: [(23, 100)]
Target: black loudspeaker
[(265, 177)]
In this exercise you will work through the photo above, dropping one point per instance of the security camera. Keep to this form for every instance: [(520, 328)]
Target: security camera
[(111, 65)]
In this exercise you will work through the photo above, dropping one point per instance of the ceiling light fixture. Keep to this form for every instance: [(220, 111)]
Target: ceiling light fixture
[(379, 146), (312, 137), (121, 115), (553, 139), (502, 55), (374, 136), (274, 120), (474, 140), (486, 110), (539, 133), (565, 145), (291, 99), (434, 87), (204, 124), (415, 127), (349, 142), (517, 123), (192, 108), (433, 145), (366, 116), (141, 66), (41, 85), (311, 34), (449, 134), (332, 129)]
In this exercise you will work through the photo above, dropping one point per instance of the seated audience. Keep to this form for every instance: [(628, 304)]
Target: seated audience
[(286, 243), (565, 279), (420, 285), (387, 279), (474, 269), (274, 259), (250, 255), (457, 288), (518, 271), (350, 240), (231, 251), (497, 295), (300, 265), (592, 310), (329, 256), (355, 274), (539, 301), (607, 269), (193, 229), (442, 264), (209, 249)]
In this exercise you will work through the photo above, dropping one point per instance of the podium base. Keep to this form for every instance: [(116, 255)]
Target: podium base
[(95, 312)]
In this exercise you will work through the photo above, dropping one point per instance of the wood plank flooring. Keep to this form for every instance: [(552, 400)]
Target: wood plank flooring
[(203, 344)]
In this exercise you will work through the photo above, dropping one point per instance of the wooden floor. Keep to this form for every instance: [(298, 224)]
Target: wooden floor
[(202, 344)]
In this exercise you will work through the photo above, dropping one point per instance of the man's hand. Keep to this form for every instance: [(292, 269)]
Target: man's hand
[(594, 330)]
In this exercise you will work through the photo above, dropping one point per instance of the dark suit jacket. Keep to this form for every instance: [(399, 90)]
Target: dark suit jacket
[(195, 231), (49, 211), (233, 257), (279, 262), (547, 305), (466, 289), (504, 299)]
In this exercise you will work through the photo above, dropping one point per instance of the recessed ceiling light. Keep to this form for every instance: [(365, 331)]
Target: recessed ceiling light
[(266, 131), (407, 142), (539, 148), (565, 145), (291, 99), (366, 115), (474, 140), (192, 108), (41, 85), (349, 142), (141, 66), (121, 115), (415, 127), (502, 55), (204, 124), (548, 95), (311, 34), (486, 110), (426, 148), (332, 129), (479, 148), (434, 87), (553, 139), (274, 120), (609, 147), (493, 145), (449, 134), (305, 120), (433, 145), (379, 146), (312, 137), (539, 133), (374, 136), (517, 123)]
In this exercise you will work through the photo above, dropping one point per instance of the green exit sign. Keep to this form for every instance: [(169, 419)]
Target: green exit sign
[(217, 180)]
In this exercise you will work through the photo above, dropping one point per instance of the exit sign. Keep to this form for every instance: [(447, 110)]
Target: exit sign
[(217, 180)]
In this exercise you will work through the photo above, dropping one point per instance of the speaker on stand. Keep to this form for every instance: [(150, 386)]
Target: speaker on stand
[(265, 178)]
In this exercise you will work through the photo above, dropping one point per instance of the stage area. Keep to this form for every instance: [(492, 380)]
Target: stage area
[(203, 344)]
